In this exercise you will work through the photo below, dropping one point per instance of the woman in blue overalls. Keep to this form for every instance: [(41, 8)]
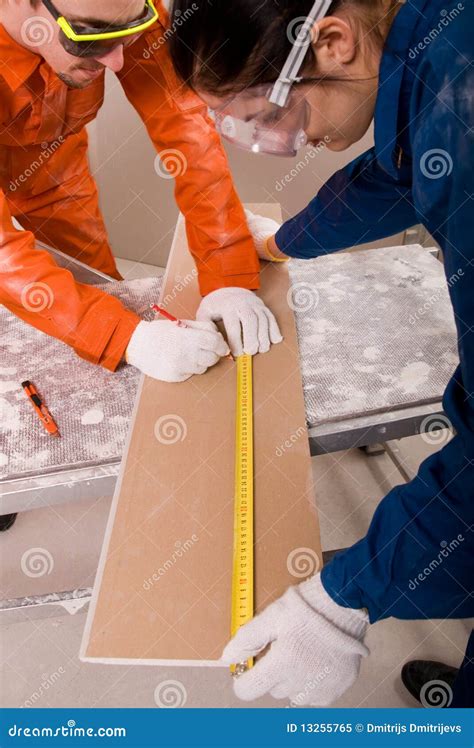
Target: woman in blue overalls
[(279, 75)]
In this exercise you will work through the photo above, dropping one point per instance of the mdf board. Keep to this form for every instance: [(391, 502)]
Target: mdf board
[(163, 587)]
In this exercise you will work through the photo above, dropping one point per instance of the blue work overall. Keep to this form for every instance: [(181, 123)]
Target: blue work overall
[(417, 558)]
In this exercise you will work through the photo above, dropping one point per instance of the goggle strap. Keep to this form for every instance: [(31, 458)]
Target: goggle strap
[(289, 74)]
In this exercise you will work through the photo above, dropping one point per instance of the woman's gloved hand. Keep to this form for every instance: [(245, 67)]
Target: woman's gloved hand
[(315, 653), (263, 230), (163, 350), (250, 325)]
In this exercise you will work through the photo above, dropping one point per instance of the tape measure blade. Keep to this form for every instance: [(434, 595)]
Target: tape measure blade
[(243, 555)]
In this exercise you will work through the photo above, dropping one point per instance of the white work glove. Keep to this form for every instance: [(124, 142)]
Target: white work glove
[(249, 324), (261, 229), (163, 350), (315, 653)]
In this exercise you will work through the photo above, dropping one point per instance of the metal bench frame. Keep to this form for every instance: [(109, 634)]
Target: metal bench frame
[(72, 483)]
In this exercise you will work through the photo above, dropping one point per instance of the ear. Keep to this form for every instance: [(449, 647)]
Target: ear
[(334, 43)]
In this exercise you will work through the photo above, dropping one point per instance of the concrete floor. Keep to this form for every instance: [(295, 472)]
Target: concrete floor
[(39, 657)]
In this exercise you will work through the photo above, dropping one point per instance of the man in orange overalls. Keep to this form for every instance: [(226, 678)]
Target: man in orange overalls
[(52, 62)]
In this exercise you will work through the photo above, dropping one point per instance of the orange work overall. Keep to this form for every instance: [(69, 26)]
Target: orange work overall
[(45, 183)]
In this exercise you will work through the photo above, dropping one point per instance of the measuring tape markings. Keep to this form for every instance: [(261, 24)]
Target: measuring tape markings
[(243, 555)]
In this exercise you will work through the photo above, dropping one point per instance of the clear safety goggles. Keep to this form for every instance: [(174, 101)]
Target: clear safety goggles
[(251, 122), (272, 119)]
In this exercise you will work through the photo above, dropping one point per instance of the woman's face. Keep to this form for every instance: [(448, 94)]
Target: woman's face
[(339, 114), (339, 111)]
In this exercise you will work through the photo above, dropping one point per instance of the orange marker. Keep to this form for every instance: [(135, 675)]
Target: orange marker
[(41, 410)]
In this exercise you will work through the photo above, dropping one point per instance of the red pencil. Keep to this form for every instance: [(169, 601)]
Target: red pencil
[(179, 322), (169, 316)]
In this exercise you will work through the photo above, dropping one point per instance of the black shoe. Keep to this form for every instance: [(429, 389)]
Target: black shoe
[(6, 521), (430, 683)]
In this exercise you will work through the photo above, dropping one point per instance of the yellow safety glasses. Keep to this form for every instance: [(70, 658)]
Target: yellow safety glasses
[(89, 41)]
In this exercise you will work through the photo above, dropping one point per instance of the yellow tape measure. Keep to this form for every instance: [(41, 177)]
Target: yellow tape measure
[(243, 561)]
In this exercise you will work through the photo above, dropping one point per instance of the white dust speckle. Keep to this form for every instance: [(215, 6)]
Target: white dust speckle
[(336, 295), (388, 379), (42, 457), (104, 451), (451, 358), (323, 325), (8, 387), (73, 606), (414, 375), (372, 353), (434, 283), (91, 417), (3, 459), (7, 371), (356, 402), (9, 416), (119, 420), (15, 346)]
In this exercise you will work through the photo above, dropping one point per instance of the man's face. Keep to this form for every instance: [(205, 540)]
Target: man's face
[(39, 32)]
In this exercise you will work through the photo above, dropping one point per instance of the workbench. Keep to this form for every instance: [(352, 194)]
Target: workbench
[(377, 342)]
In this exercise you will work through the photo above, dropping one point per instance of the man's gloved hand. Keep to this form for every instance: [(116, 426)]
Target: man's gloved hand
[(262, 229), (163, 350), (249, 324), (315, 653)]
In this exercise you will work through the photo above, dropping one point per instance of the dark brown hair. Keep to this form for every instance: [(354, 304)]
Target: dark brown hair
[(225, 46)]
